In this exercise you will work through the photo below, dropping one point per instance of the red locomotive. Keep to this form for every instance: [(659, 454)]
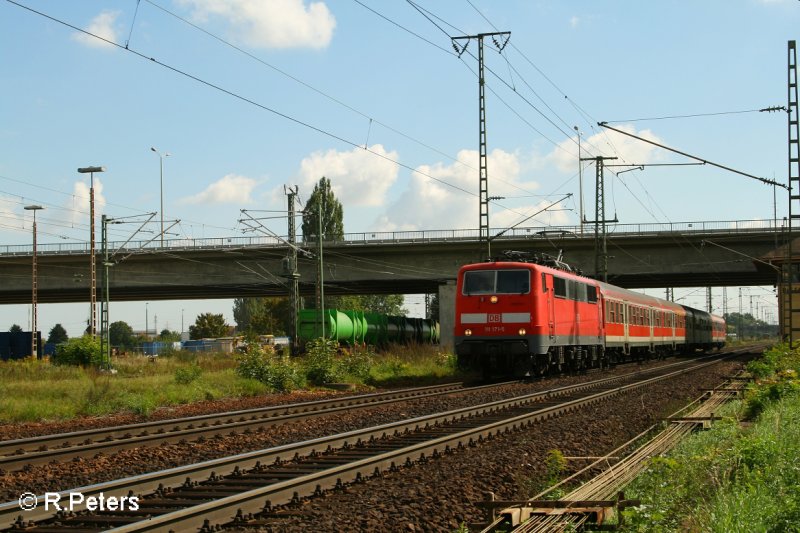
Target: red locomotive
[(531, 315)]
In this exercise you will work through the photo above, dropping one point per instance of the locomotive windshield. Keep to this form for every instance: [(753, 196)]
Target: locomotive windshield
[(496, 282)]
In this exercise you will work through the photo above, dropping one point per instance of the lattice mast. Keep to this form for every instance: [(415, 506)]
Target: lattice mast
[(291, 272), (600, 245), (483, 167), (790, 320)]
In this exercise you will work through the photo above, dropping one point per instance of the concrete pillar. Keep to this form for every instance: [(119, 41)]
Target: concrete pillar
[(447, 314)]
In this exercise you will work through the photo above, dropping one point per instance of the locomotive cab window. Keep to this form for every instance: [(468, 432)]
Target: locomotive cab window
[(513, 282), (479, 282), (496, 282)]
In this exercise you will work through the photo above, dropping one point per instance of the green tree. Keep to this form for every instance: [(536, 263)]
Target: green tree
[(208, 325), (322, 199), (332, 214), (387, 304), (120, 334), (746, 325), (15, 328), (169, 336), (57, 335), (433, 307), (83, 351), (262, 315)]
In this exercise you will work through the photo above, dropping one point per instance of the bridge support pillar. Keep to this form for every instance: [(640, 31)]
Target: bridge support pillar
[(447, 314)]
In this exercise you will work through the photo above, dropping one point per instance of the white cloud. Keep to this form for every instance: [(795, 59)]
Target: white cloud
[(358, 177), (103, 26), (431, 204), (573, 22), (79, 206), (607, 142), (9, 211), (231, 189), (270, 23)]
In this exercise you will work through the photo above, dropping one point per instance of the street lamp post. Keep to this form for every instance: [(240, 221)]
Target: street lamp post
[(161, 184), (92, 260), (34, 283)]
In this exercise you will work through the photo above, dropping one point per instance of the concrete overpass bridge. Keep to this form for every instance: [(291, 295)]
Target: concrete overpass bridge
[(687, 254)]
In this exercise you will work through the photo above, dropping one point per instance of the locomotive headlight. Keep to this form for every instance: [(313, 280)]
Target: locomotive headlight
[(467, 332), (493, 299), (522, 331)]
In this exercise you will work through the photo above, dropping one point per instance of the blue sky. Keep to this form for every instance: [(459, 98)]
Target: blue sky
[(250, 95)]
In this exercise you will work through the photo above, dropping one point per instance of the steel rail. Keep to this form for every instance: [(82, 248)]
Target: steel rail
[(18, 453), (252, 501)]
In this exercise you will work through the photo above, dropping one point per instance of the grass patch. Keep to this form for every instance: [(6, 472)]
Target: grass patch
[(326, 362), (37, 390), (412, 365), (32, 390), (734, 477)]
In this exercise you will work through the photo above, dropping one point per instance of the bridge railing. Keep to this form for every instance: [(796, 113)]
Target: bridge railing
[(389, 237)]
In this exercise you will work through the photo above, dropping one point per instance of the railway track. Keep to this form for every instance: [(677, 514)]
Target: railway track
[(19, 453), (599, 498), (245, 488)]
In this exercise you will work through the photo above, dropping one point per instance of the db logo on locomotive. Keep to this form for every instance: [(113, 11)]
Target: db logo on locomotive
[(494, 318)]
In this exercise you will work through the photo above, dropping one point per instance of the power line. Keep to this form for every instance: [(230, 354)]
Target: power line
[(237, 96), (365, 147), (729, 169), (695, 115), (326, 95), (387, 19)]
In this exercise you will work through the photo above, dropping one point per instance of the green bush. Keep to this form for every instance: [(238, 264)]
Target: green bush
[(277, 372), (782, 385), (82, 351), (188, 374), (447, 360), (357, 363), (321, 365), (733, 477), (776, 373)]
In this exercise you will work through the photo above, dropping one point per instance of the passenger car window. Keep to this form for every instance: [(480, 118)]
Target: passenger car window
[(591, 294)]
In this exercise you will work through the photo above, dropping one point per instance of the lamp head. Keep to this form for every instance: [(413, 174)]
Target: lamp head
[(87, 170)]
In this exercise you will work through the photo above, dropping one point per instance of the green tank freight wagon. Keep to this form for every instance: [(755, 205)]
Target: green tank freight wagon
[(357, 327)]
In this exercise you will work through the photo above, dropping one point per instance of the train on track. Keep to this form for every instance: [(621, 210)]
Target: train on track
[(360, 327), (529, 314)]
